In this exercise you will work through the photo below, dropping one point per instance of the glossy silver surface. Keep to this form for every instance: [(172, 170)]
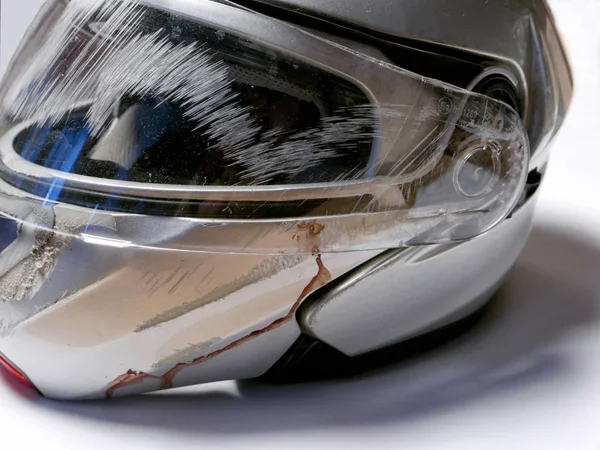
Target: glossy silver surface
[(100, 309), (404, 293), (145, 303)]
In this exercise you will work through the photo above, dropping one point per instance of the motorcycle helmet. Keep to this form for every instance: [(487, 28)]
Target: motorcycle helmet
[(193, 190)]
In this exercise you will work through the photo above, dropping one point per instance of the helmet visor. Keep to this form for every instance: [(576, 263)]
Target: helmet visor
[(206, 111)]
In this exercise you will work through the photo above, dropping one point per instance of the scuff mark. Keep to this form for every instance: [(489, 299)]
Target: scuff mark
[(207, 276), (307, 236), (179, 281), (306, 149), (186, 354), (23, 279), (133, 377), (311, 230), (258, 273), (122, 58), (152, 277), (165, 281)]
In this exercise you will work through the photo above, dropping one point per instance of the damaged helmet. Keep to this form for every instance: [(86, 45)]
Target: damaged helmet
[(194, 191)]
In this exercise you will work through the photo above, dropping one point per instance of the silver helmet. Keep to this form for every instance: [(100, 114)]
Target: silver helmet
[(202, 190)]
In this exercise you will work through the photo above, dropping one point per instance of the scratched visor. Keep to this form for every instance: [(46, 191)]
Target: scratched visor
[(223, 130)]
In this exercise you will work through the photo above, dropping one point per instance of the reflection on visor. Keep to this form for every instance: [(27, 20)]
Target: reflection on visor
[(152, 141), (215, 113), (196, 107)]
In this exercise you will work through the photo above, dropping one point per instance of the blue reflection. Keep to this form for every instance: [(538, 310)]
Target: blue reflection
[(63, 155), (87, 227), (8, 232), (35, 142), (67, 148), (64, 147)]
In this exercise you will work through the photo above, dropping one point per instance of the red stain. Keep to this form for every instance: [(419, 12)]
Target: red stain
[(132, 377), (15, 373), (128, 379), (310, 229)]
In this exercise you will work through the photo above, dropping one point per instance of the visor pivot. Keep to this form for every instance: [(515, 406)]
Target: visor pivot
[(478, 170)]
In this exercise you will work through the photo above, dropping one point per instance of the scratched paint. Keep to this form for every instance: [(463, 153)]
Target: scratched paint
[(27, 276), (208, 293), (133, 377)]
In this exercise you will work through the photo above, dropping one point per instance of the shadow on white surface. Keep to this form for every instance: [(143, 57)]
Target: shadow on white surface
[(550, 295)]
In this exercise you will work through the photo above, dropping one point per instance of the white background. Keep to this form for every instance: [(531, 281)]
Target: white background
[(529, 378)]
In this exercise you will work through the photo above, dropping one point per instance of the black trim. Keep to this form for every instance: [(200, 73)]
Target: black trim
[(429, 59)]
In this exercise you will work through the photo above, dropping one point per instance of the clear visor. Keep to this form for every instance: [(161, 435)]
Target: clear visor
[(206, 127)]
